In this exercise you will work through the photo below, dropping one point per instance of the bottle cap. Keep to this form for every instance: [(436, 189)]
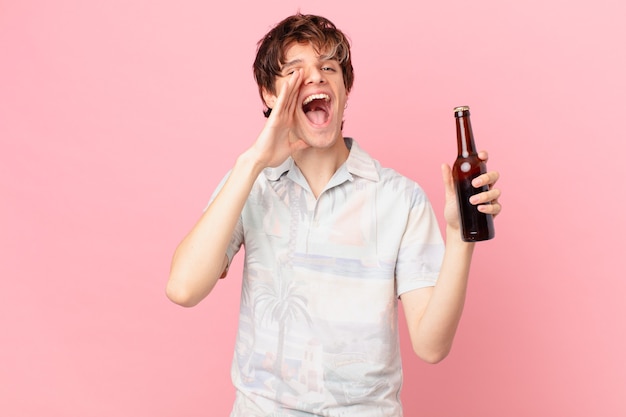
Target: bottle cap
[(458, 111)]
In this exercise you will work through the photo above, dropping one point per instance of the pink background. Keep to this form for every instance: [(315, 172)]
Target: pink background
[(118, 118)]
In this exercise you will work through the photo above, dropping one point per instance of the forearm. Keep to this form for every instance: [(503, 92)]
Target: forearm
[(199, 259), (439, 322)]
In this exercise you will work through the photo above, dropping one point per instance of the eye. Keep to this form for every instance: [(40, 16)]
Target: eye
[(328, 68), (286, 72)]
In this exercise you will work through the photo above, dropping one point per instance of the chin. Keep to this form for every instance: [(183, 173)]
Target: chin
[(324, 136), (323, 139)]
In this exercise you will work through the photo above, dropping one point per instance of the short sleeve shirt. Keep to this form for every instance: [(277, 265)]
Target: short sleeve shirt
[(318, 329)]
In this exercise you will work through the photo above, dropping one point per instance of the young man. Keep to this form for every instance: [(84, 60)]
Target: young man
[(332, 240)]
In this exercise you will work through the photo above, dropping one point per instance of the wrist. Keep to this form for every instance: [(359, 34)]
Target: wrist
[(453, 236), (250, 162)]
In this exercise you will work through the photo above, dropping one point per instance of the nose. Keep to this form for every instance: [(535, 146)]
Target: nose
[(313, 75)]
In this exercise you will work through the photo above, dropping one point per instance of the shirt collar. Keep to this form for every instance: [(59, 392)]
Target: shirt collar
[(359, 163)]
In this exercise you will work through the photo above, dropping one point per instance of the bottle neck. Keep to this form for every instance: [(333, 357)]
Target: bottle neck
[(464, 135)]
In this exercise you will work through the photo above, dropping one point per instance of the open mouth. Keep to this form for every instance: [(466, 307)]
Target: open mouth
[(316, 107)]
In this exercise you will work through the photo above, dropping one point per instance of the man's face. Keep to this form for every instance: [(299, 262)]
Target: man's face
[(321, 96)]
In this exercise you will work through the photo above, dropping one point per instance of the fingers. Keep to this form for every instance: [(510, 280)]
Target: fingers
[(487, 201), (287, 99), (488, 178), (485, 197), (494, 208)]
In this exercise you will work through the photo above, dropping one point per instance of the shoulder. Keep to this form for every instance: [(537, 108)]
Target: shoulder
[(389, 180)]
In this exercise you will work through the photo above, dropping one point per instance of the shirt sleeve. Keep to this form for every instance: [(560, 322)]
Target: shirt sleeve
[(421, 249)]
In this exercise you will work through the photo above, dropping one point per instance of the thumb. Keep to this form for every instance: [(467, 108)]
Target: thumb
[(446, 175)]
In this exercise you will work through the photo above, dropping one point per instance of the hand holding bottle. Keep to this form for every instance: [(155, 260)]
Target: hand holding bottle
[(475, 198)]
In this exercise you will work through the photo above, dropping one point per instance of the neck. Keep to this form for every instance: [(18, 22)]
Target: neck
[(318, 165)]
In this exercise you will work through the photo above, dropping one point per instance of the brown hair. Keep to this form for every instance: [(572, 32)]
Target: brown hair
[(319, 31)]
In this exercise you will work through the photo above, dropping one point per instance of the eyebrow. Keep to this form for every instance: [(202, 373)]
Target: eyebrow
[(291, 63), (294, 62)]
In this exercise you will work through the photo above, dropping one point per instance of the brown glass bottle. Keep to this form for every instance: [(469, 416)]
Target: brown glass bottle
[(475, 226)]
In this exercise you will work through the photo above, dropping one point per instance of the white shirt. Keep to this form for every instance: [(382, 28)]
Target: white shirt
[(318, 321)]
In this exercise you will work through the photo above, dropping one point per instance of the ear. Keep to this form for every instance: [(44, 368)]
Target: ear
[(269, 98)]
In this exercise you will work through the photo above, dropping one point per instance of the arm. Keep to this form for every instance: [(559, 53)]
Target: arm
[(433, 313), (200, 258)]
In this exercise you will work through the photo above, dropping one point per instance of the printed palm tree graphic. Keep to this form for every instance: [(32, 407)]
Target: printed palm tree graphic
[(280, 303)]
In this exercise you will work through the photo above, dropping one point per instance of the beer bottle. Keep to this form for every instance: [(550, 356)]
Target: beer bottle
[(475, 226)]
